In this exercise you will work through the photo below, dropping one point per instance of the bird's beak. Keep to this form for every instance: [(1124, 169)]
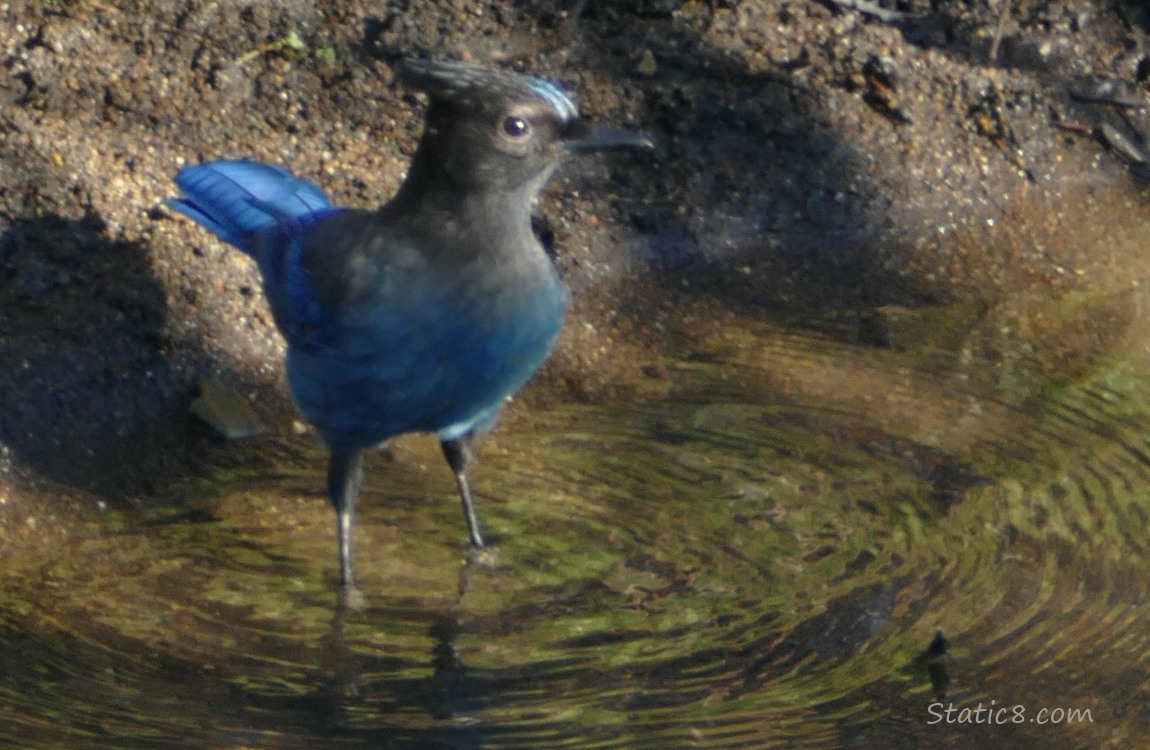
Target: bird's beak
[(582, 137)]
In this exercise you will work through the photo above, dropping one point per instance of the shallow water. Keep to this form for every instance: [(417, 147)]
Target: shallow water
[(760, 556)]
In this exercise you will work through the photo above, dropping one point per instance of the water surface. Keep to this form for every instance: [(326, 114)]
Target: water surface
[(760, 555)]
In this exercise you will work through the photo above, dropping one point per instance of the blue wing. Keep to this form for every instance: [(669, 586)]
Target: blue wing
[(267, 212), (237, 200), (379, 343)]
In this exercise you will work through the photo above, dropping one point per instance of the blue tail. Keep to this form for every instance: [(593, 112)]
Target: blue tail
[(237, 199)]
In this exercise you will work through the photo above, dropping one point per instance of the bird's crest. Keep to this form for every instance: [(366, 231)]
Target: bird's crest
[(459, 81)]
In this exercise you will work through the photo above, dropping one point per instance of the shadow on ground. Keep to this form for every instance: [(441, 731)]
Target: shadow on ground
[(82, 348)]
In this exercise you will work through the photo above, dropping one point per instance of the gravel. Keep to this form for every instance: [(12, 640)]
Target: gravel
[(812, 161)]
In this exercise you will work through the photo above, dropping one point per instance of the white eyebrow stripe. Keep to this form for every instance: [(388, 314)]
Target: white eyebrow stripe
[(555, 97)]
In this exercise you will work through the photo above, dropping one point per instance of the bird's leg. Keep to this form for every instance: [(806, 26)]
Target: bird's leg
[(459, 453), (344, 477)]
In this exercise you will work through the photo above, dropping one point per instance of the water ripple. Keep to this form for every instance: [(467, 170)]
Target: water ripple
[(754, 560)]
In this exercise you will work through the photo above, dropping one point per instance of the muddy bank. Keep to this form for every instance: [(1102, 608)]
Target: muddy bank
[(816, 167)]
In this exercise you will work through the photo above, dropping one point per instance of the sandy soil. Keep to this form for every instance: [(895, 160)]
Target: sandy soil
[(814, 162)]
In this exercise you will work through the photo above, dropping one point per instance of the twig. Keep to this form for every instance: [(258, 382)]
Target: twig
[(1003, 14), (871, 9)]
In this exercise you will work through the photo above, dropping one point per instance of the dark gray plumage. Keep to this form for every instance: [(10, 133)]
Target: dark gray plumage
[(427, 313)]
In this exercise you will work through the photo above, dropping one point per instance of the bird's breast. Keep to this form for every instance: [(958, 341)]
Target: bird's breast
[(429, 356)]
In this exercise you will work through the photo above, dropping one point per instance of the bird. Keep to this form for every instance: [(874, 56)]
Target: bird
[(427, 313)]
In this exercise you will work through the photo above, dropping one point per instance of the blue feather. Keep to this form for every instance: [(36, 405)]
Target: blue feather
[(237, 199), (555, 97), (426, 314), (267, 212)]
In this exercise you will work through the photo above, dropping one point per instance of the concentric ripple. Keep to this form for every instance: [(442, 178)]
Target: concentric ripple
[(761, 558)]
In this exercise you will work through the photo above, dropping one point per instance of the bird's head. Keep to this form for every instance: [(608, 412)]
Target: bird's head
[(494, 130)]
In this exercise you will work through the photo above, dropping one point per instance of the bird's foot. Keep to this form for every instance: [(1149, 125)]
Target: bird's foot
[(483, 557), (351, 598)]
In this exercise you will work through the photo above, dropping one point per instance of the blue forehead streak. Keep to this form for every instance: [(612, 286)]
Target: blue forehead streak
[(555, 97)]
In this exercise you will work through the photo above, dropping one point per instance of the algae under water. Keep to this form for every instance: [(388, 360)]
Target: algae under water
[(801, 543)]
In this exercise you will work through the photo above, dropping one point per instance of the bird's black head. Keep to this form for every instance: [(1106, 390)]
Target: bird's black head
[(493, 130)]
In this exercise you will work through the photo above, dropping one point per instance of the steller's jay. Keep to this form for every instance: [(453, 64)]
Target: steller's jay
[(429, 312)]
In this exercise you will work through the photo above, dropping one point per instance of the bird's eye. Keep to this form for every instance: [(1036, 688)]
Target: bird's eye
[(516, 127)]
